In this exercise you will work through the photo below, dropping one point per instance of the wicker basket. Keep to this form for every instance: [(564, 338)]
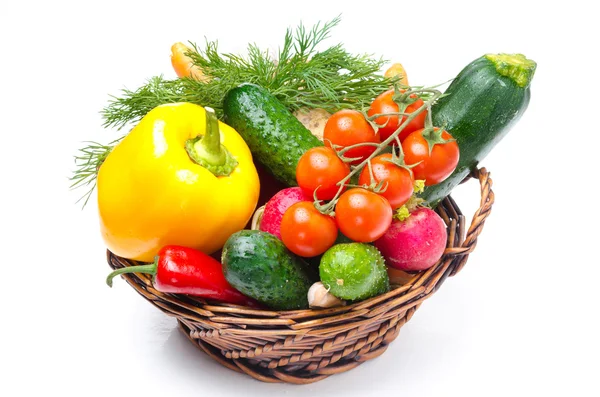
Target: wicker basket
[(305, 346)]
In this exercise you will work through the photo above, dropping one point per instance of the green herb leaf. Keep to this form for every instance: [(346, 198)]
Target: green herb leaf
[(299, 76)]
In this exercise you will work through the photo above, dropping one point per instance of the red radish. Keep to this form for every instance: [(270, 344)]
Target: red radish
[(276, 207), (415, 243)]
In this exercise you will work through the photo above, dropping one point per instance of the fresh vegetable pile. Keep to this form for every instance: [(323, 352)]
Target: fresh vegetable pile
[(339, 166)]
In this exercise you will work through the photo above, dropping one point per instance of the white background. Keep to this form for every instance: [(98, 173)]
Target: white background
[(520, 319)]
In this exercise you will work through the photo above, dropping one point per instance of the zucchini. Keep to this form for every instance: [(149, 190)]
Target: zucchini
[(482, 104), (276, 138), (259, 266)]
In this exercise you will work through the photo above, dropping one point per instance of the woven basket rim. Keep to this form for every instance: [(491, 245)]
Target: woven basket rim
[(265, 344), (466, 247)]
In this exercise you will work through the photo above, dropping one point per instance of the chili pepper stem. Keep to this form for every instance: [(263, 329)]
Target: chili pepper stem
[(207, 150), (147, 269)]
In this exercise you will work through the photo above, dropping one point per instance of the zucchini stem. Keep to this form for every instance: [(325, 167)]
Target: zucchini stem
[(514, 66)]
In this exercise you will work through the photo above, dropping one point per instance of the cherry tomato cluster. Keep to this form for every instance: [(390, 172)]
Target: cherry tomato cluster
[(364, 212)]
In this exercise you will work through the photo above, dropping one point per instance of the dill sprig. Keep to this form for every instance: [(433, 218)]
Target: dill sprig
[(299, 76), (87, 162)]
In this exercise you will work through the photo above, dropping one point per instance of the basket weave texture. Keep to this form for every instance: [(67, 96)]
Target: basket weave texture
[(305, 346)]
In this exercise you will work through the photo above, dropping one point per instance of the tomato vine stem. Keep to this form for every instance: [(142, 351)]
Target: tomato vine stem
[(405, 99)]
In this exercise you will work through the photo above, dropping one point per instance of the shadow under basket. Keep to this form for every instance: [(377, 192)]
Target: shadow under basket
[(305, 346)]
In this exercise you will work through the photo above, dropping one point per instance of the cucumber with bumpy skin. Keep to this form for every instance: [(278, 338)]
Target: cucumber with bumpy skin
[(259, 266), (354, 271), (482, 104), (275, 137)]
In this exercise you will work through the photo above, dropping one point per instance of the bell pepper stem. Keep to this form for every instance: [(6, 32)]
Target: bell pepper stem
[(147, 269), (207, 150), (209, 146)]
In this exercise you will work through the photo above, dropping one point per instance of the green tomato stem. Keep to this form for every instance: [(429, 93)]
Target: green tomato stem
[(328, 207)]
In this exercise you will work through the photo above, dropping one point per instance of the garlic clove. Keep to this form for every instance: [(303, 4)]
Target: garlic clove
[(320, 297)]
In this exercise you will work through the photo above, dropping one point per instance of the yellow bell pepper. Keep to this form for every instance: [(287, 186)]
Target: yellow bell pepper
[(179, 177)]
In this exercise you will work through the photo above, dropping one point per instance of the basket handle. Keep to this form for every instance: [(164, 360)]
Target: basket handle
[(467, 245)]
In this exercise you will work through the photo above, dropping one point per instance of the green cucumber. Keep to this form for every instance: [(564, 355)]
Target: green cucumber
[(275, 137), (258, 265), (354, 271), (482, 104)]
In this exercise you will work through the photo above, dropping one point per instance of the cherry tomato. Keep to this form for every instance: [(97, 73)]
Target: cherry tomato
[(307, 232), (362, 215), (398, 181), (434, 167), (321, 168), (384, 103), (349, 127)]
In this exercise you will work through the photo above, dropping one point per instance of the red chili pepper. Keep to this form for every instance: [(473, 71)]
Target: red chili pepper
[(182, 270)]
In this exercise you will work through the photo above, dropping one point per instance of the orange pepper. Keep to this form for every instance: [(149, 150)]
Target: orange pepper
[(397, 70), (183, 64)]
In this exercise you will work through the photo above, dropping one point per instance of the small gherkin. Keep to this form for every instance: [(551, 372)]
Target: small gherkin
[(354, 271)]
